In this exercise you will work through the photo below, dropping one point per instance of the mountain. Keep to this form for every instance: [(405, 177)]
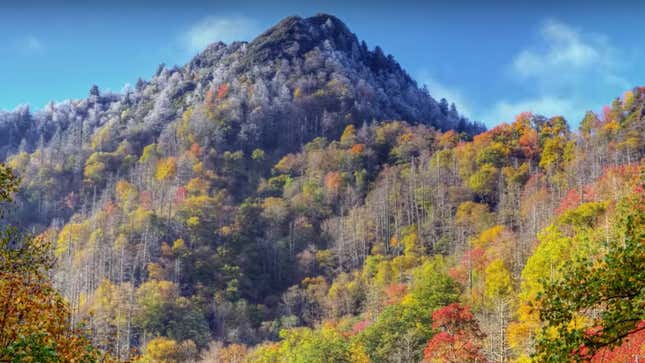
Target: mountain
[(298, 198), (300, 79)]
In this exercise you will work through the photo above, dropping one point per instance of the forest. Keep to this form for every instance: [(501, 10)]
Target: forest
[(298, 198)]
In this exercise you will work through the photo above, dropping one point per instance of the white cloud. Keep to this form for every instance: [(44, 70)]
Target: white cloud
[(505, 111), (439, 90), (562, 48), (215, 28), (568, 71)]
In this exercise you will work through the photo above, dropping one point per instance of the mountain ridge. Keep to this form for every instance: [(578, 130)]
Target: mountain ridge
[(317, 59)]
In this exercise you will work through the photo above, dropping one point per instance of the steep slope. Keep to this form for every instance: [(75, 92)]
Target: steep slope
[(301, 79), (190, 206)]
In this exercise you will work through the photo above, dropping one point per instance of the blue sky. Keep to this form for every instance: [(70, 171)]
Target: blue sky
[(493, 59)]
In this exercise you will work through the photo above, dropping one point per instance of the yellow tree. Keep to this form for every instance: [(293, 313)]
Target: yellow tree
[(34, 318), (165, 350)]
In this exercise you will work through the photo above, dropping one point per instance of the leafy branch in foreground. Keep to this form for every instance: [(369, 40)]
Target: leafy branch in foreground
[(600, 303)]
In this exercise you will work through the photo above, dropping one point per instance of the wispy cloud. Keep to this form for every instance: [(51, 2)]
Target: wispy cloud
[(32, 43), (214, 28), (562, 48), (439, 90), (29, 45), (567, 69), (505, 111)]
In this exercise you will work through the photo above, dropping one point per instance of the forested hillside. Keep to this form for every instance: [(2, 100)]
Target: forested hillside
[(298, 198)]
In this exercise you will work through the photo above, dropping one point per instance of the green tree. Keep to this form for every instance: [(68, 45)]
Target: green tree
[(600, 301), (401, 330)]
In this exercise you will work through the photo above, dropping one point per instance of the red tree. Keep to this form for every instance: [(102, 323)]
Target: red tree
[(459, 339), (631, 350), (222, 91)]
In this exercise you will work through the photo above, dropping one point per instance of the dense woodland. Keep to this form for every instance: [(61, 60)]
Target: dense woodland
[(299, 199)]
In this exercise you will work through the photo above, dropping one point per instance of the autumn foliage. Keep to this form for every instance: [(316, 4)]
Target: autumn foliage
[(34, 318), (458, 339), (384, 242)]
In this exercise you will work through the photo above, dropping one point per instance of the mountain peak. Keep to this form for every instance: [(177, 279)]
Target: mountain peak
[(317, 65), (294, 36)]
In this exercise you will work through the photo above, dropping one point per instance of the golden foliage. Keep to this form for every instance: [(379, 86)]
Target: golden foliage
[(34, 318), (349, 135), (165, 350), (166, 169)]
